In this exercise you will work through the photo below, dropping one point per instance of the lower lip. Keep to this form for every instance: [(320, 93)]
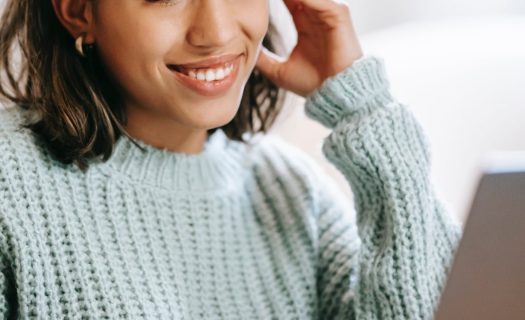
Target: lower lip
[(210, 88)]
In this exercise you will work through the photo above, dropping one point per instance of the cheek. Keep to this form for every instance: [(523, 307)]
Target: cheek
[(119, 36), (121, 45), (254, 18)]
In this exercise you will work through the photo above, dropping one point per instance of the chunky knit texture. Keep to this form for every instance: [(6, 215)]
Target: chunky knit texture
[(236, 232)]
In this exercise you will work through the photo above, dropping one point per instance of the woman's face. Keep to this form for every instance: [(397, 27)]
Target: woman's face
[(154, 50)]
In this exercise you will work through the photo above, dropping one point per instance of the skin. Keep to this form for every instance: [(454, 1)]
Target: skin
[(137, 39)]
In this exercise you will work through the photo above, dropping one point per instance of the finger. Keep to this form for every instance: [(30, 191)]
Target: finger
[(329, 12), (317, 5), (296, 11), (292, 5), (270, 65)]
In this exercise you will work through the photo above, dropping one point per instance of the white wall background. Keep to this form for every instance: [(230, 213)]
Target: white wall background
[(370, 15)]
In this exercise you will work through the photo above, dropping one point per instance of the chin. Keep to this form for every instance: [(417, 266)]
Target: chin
[(211, 120)]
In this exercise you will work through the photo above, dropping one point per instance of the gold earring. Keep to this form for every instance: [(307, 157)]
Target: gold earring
[(79, 42)]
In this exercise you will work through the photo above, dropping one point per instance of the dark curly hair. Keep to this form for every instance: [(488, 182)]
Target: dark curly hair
[(78, 113)]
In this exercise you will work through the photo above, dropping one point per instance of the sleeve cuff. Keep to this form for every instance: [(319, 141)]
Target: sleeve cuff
[(350, 90)]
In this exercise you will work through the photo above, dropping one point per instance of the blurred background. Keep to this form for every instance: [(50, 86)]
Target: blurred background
[(458, 65)]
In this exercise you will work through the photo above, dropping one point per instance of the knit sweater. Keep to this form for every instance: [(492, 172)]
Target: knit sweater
[(238, 231)]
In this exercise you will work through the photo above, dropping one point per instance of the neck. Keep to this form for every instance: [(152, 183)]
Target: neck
[(164, 133), (213, 169)]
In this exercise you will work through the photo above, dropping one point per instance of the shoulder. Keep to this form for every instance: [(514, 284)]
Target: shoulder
[(283, 170), (19, 163), (12, 126), (18, 144), (13, 136), (276, 158), (11, 120), (22, 157)]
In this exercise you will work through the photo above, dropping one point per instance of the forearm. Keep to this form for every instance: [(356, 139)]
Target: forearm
[(408, 240)]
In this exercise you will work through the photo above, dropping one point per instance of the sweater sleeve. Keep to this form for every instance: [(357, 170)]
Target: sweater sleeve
[(5, 305), (407, 240)]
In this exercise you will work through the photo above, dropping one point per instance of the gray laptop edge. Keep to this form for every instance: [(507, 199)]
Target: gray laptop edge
[(487, 278)]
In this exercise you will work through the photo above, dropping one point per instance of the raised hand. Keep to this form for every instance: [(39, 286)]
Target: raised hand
[(327, 44)]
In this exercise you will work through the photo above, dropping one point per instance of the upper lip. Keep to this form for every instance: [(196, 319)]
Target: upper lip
[(210, 62)]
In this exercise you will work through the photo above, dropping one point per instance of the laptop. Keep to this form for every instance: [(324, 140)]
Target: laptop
[(487, 278)]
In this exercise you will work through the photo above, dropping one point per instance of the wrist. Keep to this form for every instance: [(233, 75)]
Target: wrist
[(352, 89)]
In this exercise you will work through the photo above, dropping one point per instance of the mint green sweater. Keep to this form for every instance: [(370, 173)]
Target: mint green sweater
[(238, 231)]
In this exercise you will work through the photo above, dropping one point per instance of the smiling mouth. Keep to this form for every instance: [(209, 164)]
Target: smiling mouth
[(212, 69), (209, 78), (216, 73)]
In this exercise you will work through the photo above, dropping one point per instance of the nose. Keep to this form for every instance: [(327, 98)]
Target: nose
[(214, 24)]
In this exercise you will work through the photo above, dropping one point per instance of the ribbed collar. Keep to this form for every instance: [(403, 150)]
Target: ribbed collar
[(215, 167)]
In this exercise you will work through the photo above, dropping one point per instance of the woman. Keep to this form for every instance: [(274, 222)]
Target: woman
[(132, 187)]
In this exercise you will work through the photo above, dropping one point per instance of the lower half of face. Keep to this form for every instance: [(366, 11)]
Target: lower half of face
[(159, 55)]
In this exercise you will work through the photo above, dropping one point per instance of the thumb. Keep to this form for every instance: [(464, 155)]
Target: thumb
[(270, 65)]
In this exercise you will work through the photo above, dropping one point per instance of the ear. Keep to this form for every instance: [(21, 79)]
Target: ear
[(77, 17)]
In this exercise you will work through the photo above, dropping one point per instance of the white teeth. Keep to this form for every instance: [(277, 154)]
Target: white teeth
[(219, 75), (211, 74), (201, 76)]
